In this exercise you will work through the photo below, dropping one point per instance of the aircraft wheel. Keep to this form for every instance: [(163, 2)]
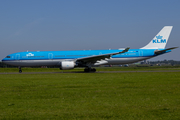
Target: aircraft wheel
[(93, 70), (20, 71), (86, 70), (89, 70)]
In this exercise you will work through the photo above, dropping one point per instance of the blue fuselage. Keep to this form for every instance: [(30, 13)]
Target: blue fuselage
[(48, 58)]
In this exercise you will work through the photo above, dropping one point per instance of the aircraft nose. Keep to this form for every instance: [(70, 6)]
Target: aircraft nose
[(4, 60)]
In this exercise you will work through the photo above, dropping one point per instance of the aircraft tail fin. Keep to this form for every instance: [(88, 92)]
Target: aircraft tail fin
[(160, 40)]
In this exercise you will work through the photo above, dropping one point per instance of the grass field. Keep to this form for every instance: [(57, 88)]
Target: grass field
[(128, 96), (132, 68)]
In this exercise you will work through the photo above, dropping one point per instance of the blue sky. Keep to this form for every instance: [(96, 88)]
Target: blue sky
[(45, 25)]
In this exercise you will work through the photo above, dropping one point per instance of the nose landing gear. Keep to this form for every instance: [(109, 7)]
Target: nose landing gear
[(20, 71)]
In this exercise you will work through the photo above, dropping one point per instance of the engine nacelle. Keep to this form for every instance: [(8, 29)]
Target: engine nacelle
[(66, 65)]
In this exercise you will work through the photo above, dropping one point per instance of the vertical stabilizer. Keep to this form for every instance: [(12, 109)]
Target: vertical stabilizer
[(160, 40)]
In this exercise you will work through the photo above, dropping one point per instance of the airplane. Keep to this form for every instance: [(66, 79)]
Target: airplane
[(88, 58)]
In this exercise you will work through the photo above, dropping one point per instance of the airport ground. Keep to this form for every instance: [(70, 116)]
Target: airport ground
[(112, 93)]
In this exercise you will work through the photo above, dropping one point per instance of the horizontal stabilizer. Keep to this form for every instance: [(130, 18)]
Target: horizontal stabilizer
[(157, 52)]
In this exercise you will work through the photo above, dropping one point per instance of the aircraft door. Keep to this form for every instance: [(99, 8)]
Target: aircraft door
[(140, 53), (50, 56), (17, 57)]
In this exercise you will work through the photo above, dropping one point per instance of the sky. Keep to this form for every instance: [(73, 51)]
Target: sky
[(50, 25)]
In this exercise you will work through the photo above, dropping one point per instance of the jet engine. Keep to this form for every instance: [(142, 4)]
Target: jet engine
[(66, 65)]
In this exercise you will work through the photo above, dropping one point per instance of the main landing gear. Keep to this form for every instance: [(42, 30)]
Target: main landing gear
[(20, 71), (89, 70)]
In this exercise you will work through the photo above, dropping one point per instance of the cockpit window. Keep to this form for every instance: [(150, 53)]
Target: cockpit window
[(8, 57)]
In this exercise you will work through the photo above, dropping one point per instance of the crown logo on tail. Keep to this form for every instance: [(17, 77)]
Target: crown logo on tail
[(159, 39)]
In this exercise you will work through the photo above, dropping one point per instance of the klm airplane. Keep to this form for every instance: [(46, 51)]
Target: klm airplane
[(88, 58)]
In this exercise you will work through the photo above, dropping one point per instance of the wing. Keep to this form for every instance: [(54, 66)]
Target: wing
[(157, 52), (93, 59)]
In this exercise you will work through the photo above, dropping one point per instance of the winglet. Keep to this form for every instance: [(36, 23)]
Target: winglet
[(126, 50)]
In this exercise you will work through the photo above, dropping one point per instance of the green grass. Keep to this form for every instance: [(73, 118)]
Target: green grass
[(131, 68), (128, 96)]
